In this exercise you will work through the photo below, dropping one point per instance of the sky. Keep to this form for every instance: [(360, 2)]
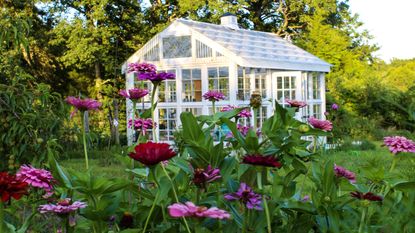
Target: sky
[(392, 23)]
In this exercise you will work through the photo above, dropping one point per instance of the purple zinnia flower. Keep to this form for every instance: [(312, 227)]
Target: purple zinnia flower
[(320, 124), (202, 176), (189, 209), (296, 103), (214, 96), (397, 144), (141, 68), (247, 196), (245, 113), (260, 160), (142, 124), (343, 172), (134, 93), (156, 77), (62, 207), (38, 178), (334, 107), (83, 104)]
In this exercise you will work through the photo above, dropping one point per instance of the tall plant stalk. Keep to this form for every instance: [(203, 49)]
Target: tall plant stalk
[(175, 196), (153, 95), (264, 199), (84, 141), (1, 216)]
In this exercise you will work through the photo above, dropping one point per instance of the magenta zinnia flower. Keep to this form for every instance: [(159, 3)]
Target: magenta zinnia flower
[(260, 160), (214, 96), (366, 196), (189, 209), (156, 77), (343, 172), (296, 103), (141, 124), (83, 104), (151, 153), (247, 196), (38, 178), (245, 113), (203, 176), (141, 68), (320, 124), (62, 207), (397, 144), (134, 93)]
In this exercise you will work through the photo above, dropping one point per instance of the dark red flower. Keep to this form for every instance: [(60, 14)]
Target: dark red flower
[(366, 196), (127, 220), (203, 176), (151, 153), (11, 187), (259, 160)]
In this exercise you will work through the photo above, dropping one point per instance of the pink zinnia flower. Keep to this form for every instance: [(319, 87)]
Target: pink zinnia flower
[(214, 96), (189, 209), (343, 172), (141, 68), (62, 207), (134, 93), (38, 178), (397, 144), (296, 103), (245, 113), (320, 124), (246, 195), (141, 124), (83, 104)]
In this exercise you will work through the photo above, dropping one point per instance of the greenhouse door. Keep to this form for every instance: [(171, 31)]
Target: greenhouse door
[(286, 85)]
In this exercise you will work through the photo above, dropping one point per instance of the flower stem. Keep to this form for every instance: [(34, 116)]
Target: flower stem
[(151, 211), (213, 107), (84, 141), (393, 164), (1, 216), (264, 199), (362, 220), (245, 223), (175, 196), (153, 95), (153, 172), (255, 119)]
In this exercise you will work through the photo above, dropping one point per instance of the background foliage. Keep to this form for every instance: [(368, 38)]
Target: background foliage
[(77, 47)]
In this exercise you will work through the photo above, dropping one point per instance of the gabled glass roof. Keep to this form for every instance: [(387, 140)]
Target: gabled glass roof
[(259, 49)]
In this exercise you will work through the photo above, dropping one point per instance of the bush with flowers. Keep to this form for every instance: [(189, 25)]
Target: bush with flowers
[(268, 179)]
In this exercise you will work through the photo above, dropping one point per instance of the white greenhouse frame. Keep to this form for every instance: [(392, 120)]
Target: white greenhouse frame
[(214, 54)]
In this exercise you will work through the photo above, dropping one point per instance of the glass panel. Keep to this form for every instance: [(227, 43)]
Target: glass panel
[(177, 46), (192, 85), (219, 80), (194, 111), (167, 123)]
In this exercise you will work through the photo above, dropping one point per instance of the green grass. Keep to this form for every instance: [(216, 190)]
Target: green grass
[(360, 162)]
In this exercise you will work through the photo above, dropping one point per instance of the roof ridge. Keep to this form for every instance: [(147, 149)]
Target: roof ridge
[(239, 29)]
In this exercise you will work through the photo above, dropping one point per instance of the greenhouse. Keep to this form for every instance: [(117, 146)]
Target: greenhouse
[(234, 61)]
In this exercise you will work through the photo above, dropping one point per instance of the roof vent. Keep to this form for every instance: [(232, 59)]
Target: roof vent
[(229, 20)]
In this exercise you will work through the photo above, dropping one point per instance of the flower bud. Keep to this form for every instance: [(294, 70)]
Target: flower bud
[(303, 128), (256, 100), (327, 199)]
